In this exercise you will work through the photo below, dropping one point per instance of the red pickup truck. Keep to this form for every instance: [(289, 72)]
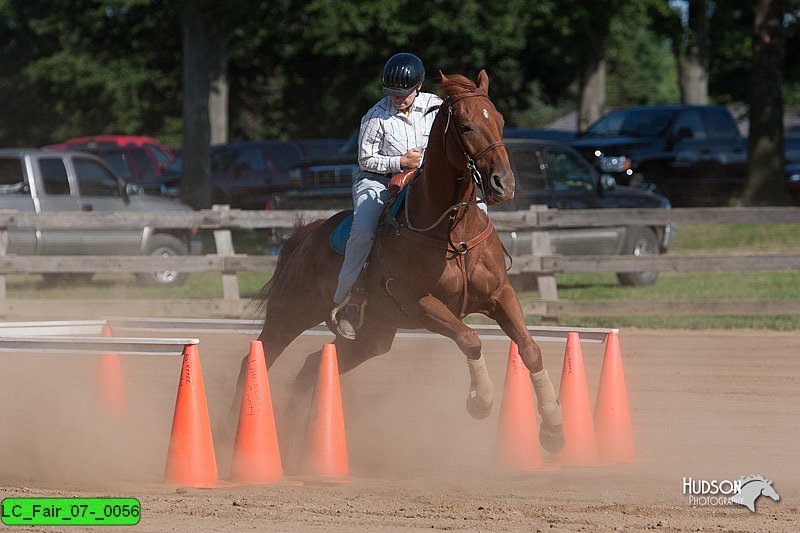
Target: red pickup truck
[(136, 159)]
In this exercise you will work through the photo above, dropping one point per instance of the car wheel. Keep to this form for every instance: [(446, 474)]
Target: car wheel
[(163, 244), (641, 242)]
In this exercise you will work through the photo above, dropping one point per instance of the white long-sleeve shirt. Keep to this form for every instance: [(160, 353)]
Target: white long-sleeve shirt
[(386, 133)]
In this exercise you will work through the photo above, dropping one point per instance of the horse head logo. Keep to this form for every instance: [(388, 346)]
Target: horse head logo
[(751, 487)]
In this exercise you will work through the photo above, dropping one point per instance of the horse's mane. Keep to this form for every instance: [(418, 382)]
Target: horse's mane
[(457, 84), (745, 480)]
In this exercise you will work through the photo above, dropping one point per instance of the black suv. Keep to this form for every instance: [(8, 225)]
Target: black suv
[(692, 154), (548, 173)]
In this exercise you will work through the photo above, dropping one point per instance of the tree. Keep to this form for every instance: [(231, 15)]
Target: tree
[(693, 55), (730, 51), (765, 183), (591, 23), (641, 66), (84, 67), (196, 183), (318, 66), (206, 26)]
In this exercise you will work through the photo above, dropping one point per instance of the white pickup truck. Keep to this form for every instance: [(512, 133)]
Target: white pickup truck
[(42, 181)]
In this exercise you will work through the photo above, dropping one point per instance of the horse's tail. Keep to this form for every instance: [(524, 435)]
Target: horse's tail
[(275, 285)]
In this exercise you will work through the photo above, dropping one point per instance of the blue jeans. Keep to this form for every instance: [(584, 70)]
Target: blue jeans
[(370, 194)]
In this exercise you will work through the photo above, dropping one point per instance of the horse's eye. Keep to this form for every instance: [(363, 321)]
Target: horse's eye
[(466, 129)]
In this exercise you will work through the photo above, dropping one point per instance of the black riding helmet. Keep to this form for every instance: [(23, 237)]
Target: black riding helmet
[(401, 74)]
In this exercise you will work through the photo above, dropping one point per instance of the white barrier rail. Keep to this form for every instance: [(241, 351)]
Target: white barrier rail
[(78, 336), (53, 327), (94, 345), (253, 327)]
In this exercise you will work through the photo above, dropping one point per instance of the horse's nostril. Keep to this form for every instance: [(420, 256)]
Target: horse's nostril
[(497, 183)]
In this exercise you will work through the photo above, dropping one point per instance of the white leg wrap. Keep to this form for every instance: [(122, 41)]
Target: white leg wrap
[(480, 387), (549, 406)]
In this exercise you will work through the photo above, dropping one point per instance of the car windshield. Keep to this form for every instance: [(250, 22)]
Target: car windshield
[(633, 123), (176, 166)]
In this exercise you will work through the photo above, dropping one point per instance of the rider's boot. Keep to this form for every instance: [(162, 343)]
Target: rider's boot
[(350, 317)]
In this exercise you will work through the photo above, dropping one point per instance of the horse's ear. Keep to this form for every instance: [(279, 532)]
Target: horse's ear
[(441, 75), (483, 81)]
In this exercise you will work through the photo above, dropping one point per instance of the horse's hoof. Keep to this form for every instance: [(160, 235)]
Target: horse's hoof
[(478, 410), (551, 438)]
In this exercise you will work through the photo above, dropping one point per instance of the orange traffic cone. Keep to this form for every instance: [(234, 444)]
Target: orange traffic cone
[(611, 415), (109, 382), (325, 449), (517, 445), (580, 448), (256, 457), (190, 459)]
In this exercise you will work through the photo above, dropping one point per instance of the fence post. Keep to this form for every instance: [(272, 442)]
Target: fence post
[(224, 244), (545, 281), (3, 249)]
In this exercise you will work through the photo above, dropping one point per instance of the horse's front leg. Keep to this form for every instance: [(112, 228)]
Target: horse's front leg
[(508, 314), (439, 319)]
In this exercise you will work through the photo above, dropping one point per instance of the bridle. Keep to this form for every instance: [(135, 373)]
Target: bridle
[(471, 169)]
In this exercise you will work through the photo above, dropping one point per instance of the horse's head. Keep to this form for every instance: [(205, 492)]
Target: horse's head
[(473, 136), (768, 490)]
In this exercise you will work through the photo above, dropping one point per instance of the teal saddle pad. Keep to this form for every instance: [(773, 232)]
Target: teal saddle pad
[(341, 233)]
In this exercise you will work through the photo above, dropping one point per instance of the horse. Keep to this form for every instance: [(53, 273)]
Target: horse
[(751, 488), (433, 263)]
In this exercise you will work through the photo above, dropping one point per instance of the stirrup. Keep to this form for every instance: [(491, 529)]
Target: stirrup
[(341, 306)]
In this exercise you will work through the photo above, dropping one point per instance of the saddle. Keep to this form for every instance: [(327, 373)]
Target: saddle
[(398, 182), (398, 185)]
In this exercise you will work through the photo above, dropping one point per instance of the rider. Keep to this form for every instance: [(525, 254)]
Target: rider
[(393, 137)]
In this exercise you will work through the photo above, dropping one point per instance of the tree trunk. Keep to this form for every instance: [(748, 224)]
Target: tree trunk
[(766, 183), (592, 97), (196, 185), (693, 59), (218, 97)]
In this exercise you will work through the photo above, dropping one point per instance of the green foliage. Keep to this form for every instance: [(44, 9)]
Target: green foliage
[(731, 50), (312, 68), (333, 61), (641, 65), (87, 67)]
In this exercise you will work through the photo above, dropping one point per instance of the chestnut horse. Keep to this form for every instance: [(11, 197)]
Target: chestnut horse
[(438, 260)]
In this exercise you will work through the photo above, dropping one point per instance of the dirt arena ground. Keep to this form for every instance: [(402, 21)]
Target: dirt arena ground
[(705, 404)]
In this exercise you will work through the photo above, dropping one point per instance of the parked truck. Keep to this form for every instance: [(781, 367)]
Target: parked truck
[(43, 181), (693, 154)]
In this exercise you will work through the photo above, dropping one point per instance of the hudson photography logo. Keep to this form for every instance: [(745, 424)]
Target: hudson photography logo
[(724, 492)]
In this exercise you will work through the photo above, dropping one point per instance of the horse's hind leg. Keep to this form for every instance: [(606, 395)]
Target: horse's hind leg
[(508, 314), (439, 319)]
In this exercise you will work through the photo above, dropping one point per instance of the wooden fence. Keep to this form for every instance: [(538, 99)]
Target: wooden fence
[(543, 265)]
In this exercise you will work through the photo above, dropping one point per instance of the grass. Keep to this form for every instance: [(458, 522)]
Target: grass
[(691, 239), (761, 285), (757, 238), (125, 286), (700, 239)]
